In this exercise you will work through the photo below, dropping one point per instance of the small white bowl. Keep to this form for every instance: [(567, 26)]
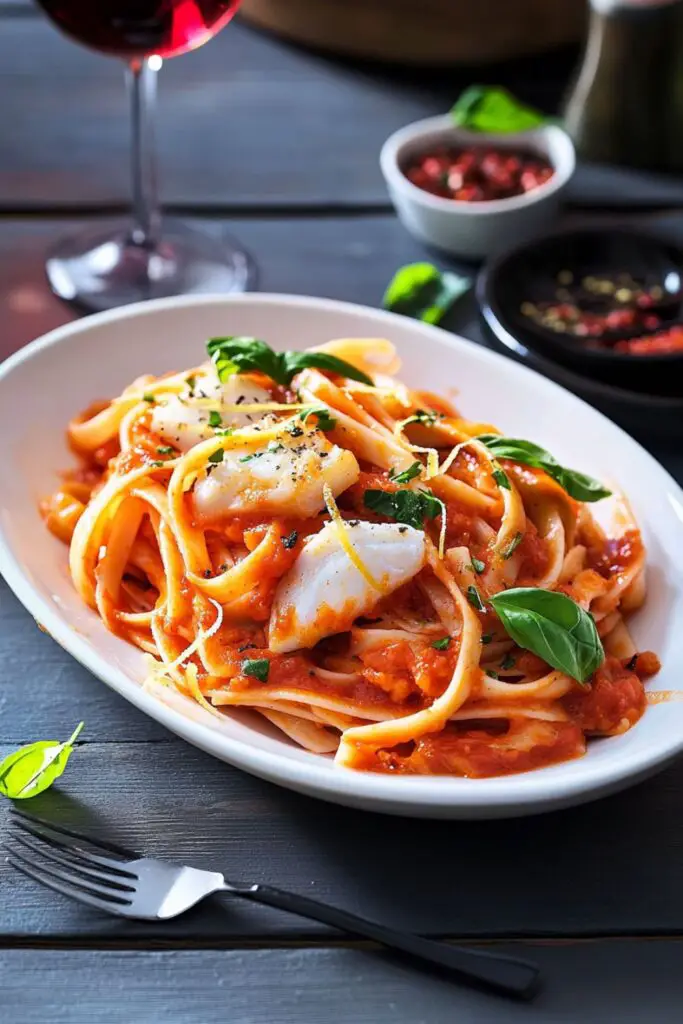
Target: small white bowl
[(475, 230)]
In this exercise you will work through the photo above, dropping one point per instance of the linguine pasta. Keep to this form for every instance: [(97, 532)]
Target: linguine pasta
[(307, 537)]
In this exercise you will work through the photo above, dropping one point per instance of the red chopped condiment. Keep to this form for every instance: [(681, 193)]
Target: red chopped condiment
[(662, 343), (478, 173)]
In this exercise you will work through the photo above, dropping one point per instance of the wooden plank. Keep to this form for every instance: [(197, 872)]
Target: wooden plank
[(591, 982), (573, 873), (245, 121)]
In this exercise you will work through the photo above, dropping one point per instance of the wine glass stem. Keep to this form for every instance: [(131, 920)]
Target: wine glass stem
[(142, 84)]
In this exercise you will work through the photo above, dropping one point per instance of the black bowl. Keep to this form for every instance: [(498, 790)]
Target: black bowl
[(529, 274)]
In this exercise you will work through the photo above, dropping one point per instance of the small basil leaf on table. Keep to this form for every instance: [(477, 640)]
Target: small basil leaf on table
[(554, 627), (577, 485), (235, 354), (490, 108), (33, 768), (424, 292)]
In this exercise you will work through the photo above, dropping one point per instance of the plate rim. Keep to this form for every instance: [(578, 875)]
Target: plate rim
[(418, 796)]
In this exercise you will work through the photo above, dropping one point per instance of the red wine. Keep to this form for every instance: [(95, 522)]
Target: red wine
[(139, 28)]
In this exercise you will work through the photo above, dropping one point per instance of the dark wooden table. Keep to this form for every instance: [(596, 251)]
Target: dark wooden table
[(279, 147)]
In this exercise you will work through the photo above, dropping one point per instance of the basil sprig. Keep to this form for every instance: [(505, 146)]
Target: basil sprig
[(405, 506), (490, 108), (33, 768), (554, 627), (244, 355), (577, 485), (424, 292)]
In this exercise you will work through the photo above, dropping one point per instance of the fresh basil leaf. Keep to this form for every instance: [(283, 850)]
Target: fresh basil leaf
[(577, 485), (33, 768), (215, 420), (554, 627), (323, 416), (296, 361), (237, 354), (441, 645), (512, 546), (256, 668), (405, 506), (500, 476), (474, 597), (424, 292), (407, 475), (478, 565), (432, 505), (486, 108), (217, 456)]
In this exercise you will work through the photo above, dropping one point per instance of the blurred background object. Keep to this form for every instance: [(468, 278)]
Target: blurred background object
[(627, 104), (439, 32), (141, 257)]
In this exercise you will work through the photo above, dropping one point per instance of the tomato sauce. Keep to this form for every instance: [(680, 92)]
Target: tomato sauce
[(610, 704), (479, 753)]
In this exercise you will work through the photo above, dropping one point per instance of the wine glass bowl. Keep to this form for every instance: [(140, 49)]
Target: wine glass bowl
[(145, 257), (141, 28)]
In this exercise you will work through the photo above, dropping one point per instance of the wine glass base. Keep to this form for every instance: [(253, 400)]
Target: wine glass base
[(103, 267)]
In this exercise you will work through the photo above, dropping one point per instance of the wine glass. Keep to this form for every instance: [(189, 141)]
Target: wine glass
[(142, 258)]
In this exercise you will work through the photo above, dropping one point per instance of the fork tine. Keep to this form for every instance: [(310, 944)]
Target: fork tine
[(102, 845), (74, 862), (52, 836), (111, 906)]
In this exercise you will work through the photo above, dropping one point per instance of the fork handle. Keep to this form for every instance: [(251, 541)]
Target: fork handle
[(505, 974)]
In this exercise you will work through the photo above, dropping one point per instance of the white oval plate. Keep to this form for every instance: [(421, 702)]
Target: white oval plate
[(44, 384)]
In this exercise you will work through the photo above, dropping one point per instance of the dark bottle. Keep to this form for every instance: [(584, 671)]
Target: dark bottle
[(626, 105)]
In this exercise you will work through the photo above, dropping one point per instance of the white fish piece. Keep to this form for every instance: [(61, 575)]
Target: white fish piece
[(324, 592), (184, 422), (284, 477)]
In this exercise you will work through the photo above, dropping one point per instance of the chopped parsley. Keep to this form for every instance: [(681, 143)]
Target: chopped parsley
[(486, 638), (442, 645), (215, 420), (217, 456), (501, 478), (290, 540), (274, 446), (256, 668), (492, 674), (508, 661), (191, 382), (165, 449), (428, 418), (322, 414), (474, 597), (513, 545), (157, 463), (407, 475), (405, 506), (478, 565), (148, 398)]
